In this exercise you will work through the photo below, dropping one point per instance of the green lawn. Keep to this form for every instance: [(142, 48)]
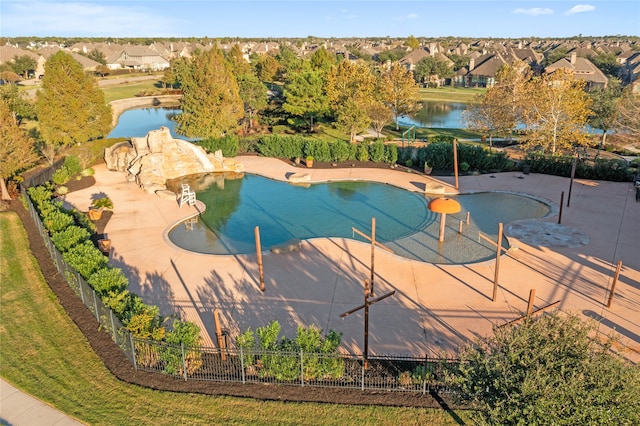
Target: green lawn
[(44, 354), (130, 90), (450, 94)]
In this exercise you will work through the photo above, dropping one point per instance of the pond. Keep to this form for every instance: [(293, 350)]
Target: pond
[(285, 212), (446, 115), (138, 122)]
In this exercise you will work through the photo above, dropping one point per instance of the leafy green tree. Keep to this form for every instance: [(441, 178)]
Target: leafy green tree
[(554, 56), (322, 61), (412, 42), (350, 91), (16, 148), (97, 56), (547, 370), (391, 55), (179, 69), (21, 107), (211, 104), (266, 67), (556, 112), (607, 63), (235, 58), (23, 65), (70, 106), (380, 115), (432, 68), (603, 107), (459, 61), (289, 63), (628, 116), (399, 91), (253, 94), (305, 97)]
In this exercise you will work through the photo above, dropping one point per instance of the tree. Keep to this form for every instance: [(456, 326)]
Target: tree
[(350, 91), (305, 97), (21, 108), (607, 63), (97, 56), (16, 148), (70, 106), (627, 122), (603, 107), (432, 68), (399, 91), (556, 112), (322, 61), (412, 42), (235, 58), (391, 55), (547, 370), (266, 67), (380, 115), (499, 110), (211, 104), (23, 65), (253, 94)]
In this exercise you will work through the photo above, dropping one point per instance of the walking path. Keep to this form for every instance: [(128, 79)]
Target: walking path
[(435, 308), (19, 409)]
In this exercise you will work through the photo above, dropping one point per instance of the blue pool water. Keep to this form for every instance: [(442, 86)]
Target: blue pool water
[(235, 206)]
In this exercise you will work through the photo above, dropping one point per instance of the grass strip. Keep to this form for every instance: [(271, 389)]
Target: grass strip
[(44, 354)]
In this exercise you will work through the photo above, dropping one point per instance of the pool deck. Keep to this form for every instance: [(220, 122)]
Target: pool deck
[(435, 308)]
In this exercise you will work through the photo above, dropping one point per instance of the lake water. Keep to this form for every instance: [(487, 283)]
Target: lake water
[(139, 121)]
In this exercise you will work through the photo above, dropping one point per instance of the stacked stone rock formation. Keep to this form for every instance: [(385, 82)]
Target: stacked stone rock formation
[(153, 159)]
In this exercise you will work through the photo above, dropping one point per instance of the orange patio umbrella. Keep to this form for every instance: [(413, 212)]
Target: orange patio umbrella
[(443, 206)]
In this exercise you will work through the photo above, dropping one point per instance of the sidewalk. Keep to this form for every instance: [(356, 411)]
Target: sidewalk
[(20, 409)]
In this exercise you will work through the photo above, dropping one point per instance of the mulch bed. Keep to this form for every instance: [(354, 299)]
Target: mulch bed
[(115, 360)]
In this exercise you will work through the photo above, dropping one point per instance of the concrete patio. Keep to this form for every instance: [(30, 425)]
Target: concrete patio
[(435, 308)]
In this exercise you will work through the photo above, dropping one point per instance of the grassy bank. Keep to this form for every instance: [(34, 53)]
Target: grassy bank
[(44, 354), (130, 90), (450, 94)]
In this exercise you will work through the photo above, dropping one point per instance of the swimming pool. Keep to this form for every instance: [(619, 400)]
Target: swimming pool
[(284, 212)]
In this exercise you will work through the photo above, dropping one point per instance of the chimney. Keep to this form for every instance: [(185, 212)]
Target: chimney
[(520, 45), (472, 64), (573, 58), (432, 49)]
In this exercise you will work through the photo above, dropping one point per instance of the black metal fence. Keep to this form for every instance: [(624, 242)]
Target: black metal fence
[(409, 374)]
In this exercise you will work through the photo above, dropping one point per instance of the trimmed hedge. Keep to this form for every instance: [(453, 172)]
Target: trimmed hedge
[(600, 169)]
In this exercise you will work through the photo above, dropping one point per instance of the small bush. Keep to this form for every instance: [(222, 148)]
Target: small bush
[(69, 237), (228, 145), (57, 220), (106, 280), (85, 258), (363, 152), (339, 151), (376, 152)]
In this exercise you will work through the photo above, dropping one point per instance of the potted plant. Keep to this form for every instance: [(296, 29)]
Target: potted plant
[(98, 205), (309, 161)]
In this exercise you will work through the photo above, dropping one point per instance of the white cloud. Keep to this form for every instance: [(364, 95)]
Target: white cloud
[(405, 17), (580, 9), (534, 11), (90, 19)]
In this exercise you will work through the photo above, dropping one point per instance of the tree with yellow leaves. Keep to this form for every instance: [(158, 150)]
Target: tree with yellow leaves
[(399, 91)]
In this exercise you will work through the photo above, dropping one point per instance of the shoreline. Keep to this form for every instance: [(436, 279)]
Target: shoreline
[(121, 105)]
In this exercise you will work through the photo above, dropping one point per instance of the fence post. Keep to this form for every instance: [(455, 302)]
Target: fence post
[(424, 380), (242, 364), (95, 306), (81, 289), (113, 326), (362, 385), (133, 352), (184, 362), (301, 369)]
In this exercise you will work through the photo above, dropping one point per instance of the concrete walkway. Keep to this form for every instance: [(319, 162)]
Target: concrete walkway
[(436, 307), (19, 409)]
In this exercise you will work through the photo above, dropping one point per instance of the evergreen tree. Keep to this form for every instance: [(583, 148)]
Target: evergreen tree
[(304, 96), (253, 94), (211, 103), (603, 106), (70, 107)]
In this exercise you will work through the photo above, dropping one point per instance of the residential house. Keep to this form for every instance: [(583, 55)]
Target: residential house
[(581, 68), (137, 58)]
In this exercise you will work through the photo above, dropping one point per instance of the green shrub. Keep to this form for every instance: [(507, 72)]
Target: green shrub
[(118, 302), (108, 279), (184, 335), (391, 153), (60, 176), (56, 221), (363, 152), (376, 152), (73, 165), (339, 151), (464, 166), (228, 145), (69, 237), (89, 171), (318, 149), (85, 258)]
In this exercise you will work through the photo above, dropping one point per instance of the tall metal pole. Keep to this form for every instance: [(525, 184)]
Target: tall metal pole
[(613, 285), (573, 174), (373, 250), (366, 324)]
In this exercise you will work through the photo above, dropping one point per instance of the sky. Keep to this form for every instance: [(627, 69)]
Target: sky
[(319, 18)]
